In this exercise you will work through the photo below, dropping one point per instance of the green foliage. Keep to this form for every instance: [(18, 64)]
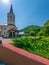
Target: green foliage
[(45, 30), (38, 46), (22, 43), (31, 30)]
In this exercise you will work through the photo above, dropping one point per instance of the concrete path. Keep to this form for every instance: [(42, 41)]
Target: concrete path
[(6, 41)]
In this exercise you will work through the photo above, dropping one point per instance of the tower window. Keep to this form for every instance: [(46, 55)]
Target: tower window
[(10, 16)]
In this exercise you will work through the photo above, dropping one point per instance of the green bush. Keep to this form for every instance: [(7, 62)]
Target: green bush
[(33, 45)]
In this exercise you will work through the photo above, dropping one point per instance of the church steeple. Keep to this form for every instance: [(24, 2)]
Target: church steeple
[(11, 16), (11, 9)]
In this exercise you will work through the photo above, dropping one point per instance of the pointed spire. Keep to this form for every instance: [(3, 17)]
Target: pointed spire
[(11, 9)]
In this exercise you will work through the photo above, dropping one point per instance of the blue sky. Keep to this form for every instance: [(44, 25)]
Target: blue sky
[(27, 12)]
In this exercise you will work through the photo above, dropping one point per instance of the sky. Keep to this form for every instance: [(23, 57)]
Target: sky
[(27, 12)]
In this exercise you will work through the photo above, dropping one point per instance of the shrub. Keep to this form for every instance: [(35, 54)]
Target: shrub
[(33, 45)]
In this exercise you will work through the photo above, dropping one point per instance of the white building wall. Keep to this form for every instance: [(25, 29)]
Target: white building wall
[(6, 28)]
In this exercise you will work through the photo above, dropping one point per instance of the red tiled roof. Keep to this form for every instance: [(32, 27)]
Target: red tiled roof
[(27, 54)]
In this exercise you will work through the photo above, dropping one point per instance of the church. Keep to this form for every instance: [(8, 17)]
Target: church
[(10, 29)]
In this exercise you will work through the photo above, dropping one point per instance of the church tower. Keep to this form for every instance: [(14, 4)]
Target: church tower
[(11, 17)]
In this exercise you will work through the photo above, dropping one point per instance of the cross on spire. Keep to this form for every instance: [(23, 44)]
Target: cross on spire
[(11, 9)]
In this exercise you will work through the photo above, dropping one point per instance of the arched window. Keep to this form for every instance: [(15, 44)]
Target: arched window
[(10, 17)]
